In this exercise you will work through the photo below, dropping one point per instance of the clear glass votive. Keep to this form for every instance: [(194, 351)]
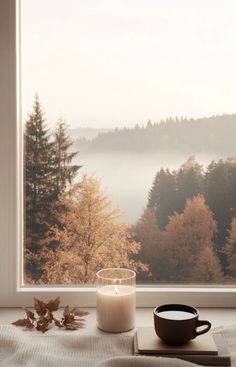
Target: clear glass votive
[(116, 299)]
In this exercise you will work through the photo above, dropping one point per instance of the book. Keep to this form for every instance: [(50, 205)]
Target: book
[(149, 342), (214, 353)]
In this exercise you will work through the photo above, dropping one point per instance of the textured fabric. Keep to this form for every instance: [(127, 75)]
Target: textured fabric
[(27, 348)]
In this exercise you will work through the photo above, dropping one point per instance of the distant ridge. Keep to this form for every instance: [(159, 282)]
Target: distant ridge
[(88, 133), (215, 134)]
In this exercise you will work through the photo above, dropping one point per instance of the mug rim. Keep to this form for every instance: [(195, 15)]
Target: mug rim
[(175, 307)]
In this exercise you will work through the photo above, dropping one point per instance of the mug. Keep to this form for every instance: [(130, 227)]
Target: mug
[(177, 324)]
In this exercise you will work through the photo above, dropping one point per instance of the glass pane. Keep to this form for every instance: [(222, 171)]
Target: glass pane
[(129, 136)]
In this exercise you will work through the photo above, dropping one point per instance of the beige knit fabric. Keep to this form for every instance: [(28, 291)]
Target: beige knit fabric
[(27, 348)]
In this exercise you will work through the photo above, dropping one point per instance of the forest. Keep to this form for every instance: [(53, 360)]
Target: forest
[(188, 229), (186, 233), (180, 135), (71, 230)]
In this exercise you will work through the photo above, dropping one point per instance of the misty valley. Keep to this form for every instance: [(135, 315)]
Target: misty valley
[(131, 194), (159, 199)]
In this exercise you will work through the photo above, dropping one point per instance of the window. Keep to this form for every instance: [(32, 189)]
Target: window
[(10, 229)]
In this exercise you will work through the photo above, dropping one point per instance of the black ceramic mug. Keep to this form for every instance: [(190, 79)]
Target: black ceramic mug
[(177, 324)]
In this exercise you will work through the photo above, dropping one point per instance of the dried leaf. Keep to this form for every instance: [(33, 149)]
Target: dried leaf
[(71, 327), (24, 322), (30, 314), (53, 305), (70, 320), (49, 316), (78, 312), (74, 325), (68, 317), (40, 307), (66, 311), (42, 325)]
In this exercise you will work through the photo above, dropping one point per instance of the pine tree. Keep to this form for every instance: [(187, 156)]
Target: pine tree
[(162, 196), (220, 194), (189, 182), (64, 171), (48, 172), (38, 169), (171, 189), (38, 183)]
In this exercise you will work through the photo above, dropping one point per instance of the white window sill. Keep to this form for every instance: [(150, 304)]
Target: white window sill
[(144, 317)]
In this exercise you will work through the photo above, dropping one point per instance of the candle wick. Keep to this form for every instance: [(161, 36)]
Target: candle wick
[(116, 290)]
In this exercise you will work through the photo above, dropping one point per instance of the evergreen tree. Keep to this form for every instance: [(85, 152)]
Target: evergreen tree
[(38, 182), (64, 171), (220, 194), (189, 182), (48, 171), (170, 190), (162, 196)]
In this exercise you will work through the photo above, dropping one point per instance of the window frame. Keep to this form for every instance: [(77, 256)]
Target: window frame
[(12, 293)]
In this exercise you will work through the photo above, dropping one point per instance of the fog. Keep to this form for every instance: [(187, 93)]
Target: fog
[(127, 179)]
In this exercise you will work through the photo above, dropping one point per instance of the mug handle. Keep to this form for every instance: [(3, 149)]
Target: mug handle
[(201, 323)]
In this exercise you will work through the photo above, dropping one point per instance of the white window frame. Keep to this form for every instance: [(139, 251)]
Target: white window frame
[(12, 294)]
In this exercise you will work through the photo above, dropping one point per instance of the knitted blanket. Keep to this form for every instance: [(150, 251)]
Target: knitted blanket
[(28, 348)]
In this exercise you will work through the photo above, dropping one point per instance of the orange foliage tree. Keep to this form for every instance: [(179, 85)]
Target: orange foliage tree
[(148, 234), (90, 237), (207, 268), (187, 239)]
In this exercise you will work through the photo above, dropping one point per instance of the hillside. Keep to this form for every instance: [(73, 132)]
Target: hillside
[(88, 133), (216, 134)]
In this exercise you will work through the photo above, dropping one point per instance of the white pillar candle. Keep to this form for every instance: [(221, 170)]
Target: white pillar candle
[(116, 300), (116, 308)]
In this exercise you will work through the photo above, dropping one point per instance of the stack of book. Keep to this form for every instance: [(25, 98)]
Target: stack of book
[(208, 349)]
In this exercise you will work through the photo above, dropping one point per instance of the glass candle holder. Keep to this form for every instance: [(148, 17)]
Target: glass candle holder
[(116, 299)]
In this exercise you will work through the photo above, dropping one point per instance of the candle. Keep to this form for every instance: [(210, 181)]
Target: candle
[(116, 299)]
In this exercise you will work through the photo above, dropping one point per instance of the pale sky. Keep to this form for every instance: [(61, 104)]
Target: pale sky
[(107, 63)]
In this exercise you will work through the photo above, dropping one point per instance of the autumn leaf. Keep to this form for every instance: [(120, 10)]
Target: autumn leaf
[(71, 326), (42, 325), (30, 314), (40, 307), (70, 320), (78, 312), (74, 324), (68, 316), (66, 311), (49, 316), (53, 305), (24, 323)]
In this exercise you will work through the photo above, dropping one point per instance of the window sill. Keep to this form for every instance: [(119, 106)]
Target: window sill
[(217, 316)]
